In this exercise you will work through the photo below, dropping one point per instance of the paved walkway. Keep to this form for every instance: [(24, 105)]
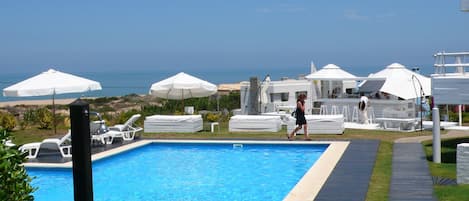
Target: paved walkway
[(419, 139), (352, 174), (411, 179)]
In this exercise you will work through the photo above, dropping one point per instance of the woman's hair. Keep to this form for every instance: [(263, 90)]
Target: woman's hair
[(302, 96)]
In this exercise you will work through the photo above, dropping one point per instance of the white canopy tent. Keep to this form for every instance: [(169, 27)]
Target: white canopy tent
[(402, 82), (182, 86), (336, 77), (51, 82)]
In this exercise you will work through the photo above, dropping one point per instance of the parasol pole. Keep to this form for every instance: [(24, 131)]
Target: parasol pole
[(53, 112), (183, 101)]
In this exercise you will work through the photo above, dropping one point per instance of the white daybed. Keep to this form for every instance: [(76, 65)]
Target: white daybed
[(255, 123), (320, 124), (173, 123)]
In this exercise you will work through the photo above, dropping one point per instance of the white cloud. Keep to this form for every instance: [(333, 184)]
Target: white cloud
[(354, 15), (386, 15), (282, 8)]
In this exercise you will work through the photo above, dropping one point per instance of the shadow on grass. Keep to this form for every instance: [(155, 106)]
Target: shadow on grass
[(448, 149)]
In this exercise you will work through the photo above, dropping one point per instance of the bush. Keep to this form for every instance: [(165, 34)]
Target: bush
[(213, 117), (29, 118), (44, 118), (124, 116), (14, 181), (7, 121)]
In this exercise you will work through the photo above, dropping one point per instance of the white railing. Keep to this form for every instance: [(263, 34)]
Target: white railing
[(445, 60)]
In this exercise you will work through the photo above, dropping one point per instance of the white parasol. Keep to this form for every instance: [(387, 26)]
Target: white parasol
[(182, 86), (51, 82)]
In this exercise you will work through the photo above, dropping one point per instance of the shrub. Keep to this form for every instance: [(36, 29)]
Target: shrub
[(124, 116), (44, 118), (14, 181), (29, 118), (213, 117), (7, 121)]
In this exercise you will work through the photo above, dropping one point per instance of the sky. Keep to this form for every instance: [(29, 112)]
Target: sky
[(109, 35)]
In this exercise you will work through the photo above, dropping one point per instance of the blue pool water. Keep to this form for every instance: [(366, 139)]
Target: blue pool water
[(179, 172)]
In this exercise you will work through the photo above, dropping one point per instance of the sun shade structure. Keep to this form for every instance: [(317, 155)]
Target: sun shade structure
[(400, 82), (331, 72), (50, 83), (336, 79), (182, 86)]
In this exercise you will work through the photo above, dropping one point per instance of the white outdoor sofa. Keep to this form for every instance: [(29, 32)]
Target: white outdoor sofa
[(173, 123), (319, 124), (255, 123)]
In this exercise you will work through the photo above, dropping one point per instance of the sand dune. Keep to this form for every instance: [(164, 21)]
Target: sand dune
[(37, 102)]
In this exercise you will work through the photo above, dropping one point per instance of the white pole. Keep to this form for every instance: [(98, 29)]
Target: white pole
[(460, 114), (436, 135)]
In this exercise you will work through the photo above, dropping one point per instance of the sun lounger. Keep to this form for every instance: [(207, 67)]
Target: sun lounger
[(399, 123), (173, 123), (8, 143), (320, 124), (62, 144), (255, 123), (127, 130)]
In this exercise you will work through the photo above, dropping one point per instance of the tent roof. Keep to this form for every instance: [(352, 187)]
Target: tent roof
[(402, 82), (49, 83), (331, 72)]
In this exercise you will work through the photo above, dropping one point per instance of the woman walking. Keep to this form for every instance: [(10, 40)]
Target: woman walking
[(300, 118)]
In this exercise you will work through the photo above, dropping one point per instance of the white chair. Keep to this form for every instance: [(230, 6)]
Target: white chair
[(355, 114), (346, 113), (334, 110), (371, 115), (127, 130), (323, 110), (63, 144), (98, 132)]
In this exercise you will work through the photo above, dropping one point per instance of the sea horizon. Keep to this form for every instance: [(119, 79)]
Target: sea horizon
[(124, 82)]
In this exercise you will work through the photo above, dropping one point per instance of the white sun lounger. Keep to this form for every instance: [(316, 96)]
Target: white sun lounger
[(8, 143), (255, 123), (62, 144), (125, 131)]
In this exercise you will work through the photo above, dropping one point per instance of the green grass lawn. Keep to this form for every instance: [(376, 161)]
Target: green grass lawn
[(381, 177), (447, 169), (380, 180)]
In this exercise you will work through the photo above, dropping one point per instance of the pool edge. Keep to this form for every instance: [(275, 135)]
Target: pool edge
[(312, 181)]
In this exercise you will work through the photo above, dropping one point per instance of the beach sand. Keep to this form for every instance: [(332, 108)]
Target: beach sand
[(37, 102)]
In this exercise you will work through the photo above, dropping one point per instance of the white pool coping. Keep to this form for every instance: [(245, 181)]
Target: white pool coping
[(305, 190)]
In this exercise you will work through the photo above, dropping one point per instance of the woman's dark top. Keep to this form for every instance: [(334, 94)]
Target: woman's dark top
[(300, 114)]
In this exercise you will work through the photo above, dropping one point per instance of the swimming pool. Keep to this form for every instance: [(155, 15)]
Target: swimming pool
[(178, 171)]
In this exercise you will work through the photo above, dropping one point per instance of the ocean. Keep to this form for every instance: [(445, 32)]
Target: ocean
[(123, 82)]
